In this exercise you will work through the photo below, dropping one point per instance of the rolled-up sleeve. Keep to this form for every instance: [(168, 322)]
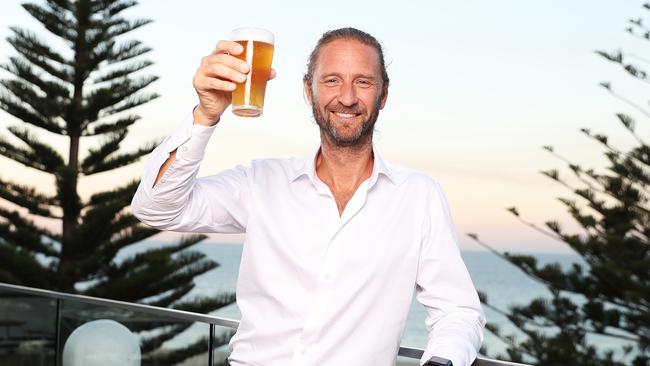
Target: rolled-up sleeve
[(455, 318), (182, 202)]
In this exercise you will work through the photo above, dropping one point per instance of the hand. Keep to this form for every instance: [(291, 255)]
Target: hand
[(215, 80)]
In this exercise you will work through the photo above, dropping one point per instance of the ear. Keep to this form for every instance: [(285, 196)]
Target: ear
[(307, 90), (384, 97)]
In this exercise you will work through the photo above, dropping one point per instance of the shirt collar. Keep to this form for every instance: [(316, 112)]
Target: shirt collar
[(306, 166)]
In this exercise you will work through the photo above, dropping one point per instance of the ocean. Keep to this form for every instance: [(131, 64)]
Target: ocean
[(504, 285)]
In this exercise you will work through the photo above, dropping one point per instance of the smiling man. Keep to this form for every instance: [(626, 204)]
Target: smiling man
[(338, 242)]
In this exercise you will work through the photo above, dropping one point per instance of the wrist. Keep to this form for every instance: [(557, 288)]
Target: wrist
[(201, 118)]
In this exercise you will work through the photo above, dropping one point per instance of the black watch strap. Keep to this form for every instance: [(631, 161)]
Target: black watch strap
[(438, 361)]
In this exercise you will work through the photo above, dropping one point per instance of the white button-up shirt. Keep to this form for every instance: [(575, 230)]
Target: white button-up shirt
[(316, 287)]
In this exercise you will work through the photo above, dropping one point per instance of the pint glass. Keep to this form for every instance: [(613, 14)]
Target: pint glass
[(248, 97)]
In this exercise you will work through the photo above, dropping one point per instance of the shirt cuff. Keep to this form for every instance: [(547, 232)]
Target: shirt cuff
[(190, 140)]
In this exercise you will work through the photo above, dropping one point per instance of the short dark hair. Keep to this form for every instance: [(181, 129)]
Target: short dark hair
[(346, 33)]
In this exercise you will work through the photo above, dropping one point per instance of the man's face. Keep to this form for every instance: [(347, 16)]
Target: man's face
[(346, 92)]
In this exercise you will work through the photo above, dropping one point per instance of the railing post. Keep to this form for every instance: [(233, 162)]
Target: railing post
[(211, 346), (57, 334)]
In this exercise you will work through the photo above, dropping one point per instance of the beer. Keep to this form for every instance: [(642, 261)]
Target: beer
[(248, 97)]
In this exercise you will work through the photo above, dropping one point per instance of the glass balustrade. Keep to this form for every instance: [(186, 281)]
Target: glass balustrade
[(39, 328)]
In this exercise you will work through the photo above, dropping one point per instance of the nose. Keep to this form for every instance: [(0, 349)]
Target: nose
[(347, 95)]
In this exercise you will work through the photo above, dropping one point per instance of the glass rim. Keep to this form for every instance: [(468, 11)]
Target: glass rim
[(252, 33)]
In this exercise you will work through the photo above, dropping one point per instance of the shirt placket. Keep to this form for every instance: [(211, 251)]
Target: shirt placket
[(327, 280)]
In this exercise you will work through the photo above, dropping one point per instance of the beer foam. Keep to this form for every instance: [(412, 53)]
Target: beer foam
[(252, 34)]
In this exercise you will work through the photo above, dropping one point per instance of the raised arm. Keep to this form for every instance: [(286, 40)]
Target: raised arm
[(169, 196), (214, 82)]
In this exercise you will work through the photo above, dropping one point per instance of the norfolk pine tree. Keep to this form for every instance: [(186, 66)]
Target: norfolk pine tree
[(608, 294), (88, 94)]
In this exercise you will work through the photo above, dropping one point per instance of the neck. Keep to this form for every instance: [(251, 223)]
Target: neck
[(344, 167)]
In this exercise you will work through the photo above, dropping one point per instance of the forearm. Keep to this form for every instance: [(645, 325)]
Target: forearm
[(168, 179), (456, 336), (199, 117)]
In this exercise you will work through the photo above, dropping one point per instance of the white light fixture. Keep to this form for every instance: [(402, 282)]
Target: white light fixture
[(101, 343)]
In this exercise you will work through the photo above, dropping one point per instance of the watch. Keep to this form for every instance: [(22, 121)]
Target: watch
[(438, 361)]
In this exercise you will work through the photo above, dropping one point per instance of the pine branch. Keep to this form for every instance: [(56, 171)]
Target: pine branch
[(117, 161), (53, 70), (23, 267), (17, 220), (122, 72), (28, 42), (57, 21), (134, 235), (15, 108), (123, 194), (97, 155), (553, 174), (25, 239), (110, 247), (100, 53), (28, 157), (205, 305), (44, 153), (117, 7), (101, 99), (23, 225), (46, 106), (129, 103), (162, 274), (25, 72), (126, 26), (127, 51), (27, 197), (104, 128), (60, 5), (154, 342), (140, 260), (513, 210), (629, 124), (171, 297), (508, 340), (608, 87)]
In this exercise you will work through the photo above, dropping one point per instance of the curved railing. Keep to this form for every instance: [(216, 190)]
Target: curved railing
[(25, 310)]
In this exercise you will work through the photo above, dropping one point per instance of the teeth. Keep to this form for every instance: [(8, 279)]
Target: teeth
[(345, 115)]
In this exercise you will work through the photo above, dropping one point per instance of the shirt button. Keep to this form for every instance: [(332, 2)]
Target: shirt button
[(327, 277), (184, 148)]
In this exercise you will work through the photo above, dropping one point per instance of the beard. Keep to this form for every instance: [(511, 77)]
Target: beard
[(363, 131)]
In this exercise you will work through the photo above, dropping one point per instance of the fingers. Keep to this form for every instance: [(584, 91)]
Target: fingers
[(223, 67), (208, 83), (229, 47), (227, 60)]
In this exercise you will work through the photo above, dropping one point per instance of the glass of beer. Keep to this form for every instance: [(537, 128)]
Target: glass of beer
[(248, 97)]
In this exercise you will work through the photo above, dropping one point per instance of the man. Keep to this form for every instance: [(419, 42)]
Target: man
[(336, 243)]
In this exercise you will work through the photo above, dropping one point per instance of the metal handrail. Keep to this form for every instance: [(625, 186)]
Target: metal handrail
[(407, 352)]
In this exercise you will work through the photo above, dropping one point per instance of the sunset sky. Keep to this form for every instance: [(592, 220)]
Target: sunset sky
[(477, 87)]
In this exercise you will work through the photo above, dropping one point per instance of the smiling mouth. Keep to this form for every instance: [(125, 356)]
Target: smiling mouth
[(346, 115)]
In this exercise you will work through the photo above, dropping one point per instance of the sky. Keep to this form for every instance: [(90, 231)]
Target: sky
[(477, 88)]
